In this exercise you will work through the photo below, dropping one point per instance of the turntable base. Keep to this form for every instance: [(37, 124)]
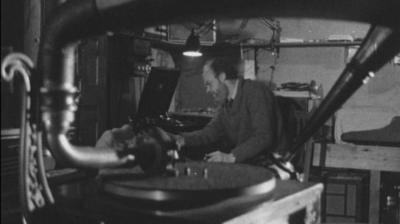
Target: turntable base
[(89, 200), (190, 182)]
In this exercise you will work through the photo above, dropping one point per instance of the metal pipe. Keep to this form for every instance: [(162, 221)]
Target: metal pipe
[(121, 13), (59, 114), (58, 106), (78, 19), (380, 45)]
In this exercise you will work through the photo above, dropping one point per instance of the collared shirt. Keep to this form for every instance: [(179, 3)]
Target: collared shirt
[(231, 97), (234, 92)]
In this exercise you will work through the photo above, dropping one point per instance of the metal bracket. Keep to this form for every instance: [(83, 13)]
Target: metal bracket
[(34, 190)]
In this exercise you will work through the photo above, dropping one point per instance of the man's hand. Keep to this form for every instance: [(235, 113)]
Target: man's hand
[(123, 133), (220, 157), (123, 137)]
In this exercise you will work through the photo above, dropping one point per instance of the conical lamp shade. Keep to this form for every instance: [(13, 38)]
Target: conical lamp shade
[(192, 46)]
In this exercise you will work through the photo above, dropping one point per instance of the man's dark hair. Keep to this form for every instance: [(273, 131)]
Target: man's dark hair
[(228, 65)]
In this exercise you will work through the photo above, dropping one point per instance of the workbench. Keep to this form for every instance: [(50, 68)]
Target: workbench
[(79, 200)]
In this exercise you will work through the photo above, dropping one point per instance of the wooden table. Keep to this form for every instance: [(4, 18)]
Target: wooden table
[(290, 196), (81, 200), (366, 157)]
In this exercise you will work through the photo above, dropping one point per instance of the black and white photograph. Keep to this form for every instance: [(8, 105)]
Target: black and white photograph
[(200, 112)]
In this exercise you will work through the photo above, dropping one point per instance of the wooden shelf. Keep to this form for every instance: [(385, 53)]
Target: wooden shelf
[(296, 94), (306, 44), (12, 133), (365, 157)]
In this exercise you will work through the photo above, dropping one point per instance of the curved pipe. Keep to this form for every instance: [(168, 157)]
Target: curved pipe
[(71, 22), (82, 18)]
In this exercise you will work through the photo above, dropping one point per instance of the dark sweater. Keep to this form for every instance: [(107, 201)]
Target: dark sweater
[(252, 124)]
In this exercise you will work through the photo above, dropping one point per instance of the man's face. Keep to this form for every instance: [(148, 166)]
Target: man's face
[(214, 85)]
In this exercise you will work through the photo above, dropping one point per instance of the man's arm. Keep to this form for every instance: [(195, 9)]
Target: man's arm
[(260, 105), (211, 133)]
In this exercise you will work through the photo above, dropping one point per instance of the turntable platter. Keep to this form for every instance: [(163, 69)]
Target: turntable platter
[(192, 181)]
